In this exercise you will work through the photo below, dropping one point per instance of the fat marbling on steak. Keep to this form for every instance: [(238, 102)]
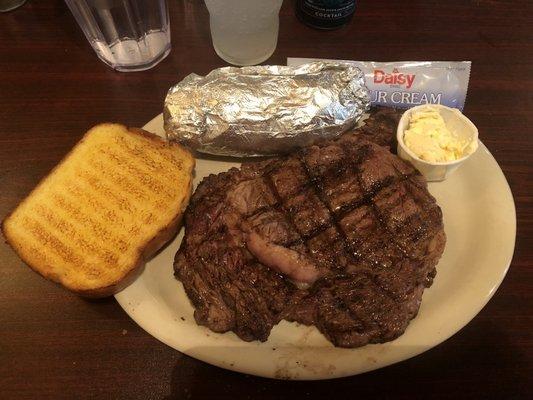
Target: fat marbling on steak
[(342, 235)]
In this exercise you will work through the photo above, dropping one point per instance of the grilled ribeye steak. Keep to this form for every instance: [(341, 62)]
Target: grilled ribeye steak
[(342, 235)]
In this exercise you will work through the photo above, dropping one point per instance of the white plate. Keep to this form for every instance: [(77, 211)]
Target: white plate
[(480, 224)]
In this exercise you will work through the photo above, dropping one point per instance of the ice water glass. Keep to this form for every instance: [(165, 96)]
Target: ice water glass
[(8, 5), (128, 35), (244, 32)]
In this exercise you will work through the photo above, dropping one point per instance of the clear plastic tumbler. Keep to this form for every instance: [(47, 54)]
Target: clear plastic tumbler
[(8, 5), (128, 35), (244, 32)]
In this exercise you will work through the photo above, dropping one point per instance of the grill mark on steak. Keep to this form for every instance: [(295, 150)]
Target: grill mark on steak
[(297, 265), (288, 216), (318, 188), (362, 217), (317, 182)]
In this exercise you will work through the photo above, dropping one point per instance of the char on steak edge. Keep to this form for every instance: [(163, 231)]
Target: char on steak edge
[(342, 235)]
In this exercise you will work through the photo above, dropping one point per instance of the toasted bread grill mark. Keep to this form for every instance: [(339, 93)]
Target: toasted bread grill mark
[(84, 193), (95, 223), (121, 181), (45, 258), (122, 163), (44, 238), (127, 206), (153, 160), (129, 185), (106, 191), (118, 210), (121, 206), (153, 155), (114, 200), (66, 231), (150, 218), (145, 177)]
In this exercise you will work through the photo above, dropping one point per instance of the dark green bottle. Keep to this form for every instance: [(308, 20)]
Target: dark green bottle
[(325, 14)]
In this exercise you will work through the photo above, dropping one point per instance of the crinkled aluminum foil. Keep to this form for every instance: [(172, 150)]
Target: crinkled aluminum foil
[(264, 110)]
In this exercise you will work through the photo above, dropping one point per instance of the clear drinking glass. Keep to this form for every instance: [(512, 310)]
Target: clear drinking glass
[(8, 5), (244, 32), (128, 35)]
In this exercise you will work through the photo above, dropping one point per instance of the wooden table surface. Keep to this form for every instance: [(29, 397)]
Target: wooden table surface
[(53, 88)]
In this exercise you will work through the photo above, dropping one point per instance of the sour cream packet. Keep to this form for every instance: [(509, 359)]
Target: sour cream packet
[(405, 84)]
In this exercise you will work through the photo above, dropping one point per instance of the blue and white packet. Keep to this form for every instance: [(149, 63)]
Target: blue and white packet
[(406, 84)]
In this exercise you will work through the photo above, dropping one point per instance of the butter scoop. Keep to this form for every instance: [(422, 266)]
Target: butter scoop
[(436, 139), (430, 139)]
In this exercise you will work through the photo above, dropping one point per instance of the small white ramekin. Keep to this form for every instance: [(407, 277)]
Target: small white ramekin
[(457, 123)]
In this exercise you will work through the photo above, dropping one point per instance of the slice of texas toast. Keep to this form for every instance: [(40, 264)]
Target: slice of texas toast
[(106, 208)]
